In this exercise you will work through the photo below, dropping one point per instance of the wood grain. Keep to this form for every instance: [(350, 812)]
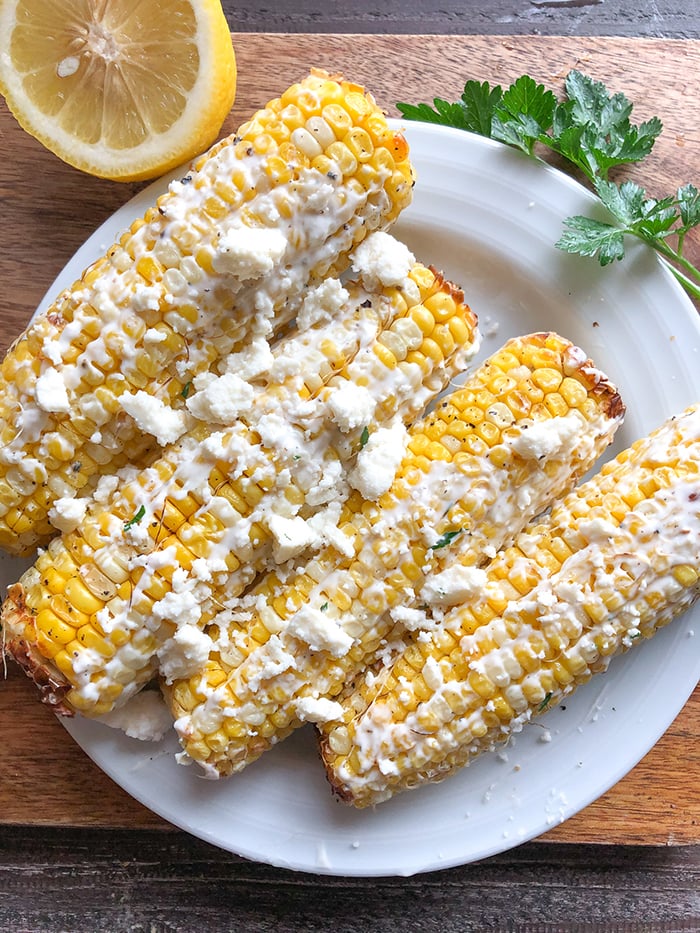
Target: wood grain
[(669, 18), (71, 880), (49, 209)]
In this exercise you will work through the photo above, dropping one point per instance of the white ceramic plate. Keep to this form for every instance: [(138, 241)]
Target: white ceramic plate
[(489, 217)]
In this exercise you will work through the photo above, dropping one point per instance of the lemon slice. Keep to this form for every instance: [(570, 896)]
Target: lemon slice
[(124, 89)]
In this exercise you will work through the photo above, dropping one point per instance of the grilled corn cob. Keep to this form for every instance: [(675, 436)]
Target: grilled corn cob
[(615, 560), (527, 424), (225, 253), (136, 583)]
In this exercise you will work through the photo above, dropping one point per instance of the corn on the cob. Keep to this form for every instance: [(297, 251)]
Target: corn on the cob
[(141, 576), (616, 559), (526, 425), (225, 253)]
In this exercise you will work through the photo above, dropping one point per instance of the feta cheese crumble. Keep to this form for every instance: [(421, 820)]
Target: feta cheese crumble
[(382, 258), (220, 399), (249, 252), (544, 438), (144, 716), (319, 631), (185, 653), (67, 513), (292, 536), (453, 585), (51, 392), (378, 461), (312, 709), (321, 303), (352, 406), (154, 417)]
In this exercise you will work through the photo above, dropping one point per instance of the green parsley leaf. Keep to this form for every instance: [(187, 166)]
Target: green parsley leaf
[(545, 703), (445, 114), (186, 389), (587, 237), (525, 114), (445, 539), (364, 437), (625, 202), (324, 607), (688, 198), (136, 517), (479, 103)]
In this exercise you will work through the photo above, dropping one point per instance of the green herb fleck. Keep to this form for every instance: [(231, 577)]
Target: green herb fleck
[(445, 539), (186, 389), (545, 703), (136, 517), (364, 437), (324, 607)]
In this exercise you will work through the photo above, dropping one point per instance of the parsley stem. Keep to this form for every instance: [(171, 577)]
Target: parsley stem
[(690, 282)]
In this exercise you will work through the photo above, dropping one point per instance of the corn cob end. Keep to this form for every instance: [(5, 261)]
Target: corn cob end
[(16, 617)]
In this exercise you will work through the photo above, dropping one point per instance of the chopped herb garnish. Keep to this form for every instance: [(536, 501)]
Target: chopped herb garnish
[(186, 389), (324, 607), (445, 539), (364, 437), (545, 703), (136, 517)]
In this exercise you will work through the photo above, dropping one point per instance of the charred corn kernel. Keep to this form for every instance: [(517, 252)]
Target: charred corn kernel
[(329, 635), (183, 539), (627, 575), (157, 308)]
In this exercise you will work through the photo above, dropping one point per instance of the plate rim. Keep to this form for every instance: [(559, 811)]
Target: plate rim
[(75, 727)]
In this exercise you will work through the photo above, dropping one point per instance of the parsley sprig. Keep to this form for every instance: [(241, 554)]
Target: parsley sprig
[(590, 129)]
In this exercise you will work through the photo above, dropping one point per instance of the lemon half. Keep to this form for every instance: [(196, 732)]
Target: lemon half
[(123, 89)]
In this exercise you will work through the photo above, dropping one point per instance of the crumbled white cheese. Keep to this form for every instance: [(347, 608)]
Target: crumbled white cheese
[(51, 392), (330, 487), (105, 489), (180, 608), (144, 716), (378, 461), (321, 303), (319, 631), (292, 536), (146, 298), (544, 438), (325, 524), (154, 336), (351, 406), (313, 709), (382, 258), (254, 359), (432, 674), (453, 585), (67, 513), (413, 620), (275, 661), (153, 416), (185, 653), (249, 252), (220, 399), (51, 349)]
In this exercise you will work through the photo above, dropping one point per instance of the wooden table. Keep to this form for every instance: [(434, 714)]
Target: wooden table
[(638, 846)]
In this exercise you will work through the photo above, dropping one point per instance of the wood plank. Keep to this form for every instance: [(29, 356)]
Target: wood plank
[(669, 18), (49, 209), (99, 882)]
